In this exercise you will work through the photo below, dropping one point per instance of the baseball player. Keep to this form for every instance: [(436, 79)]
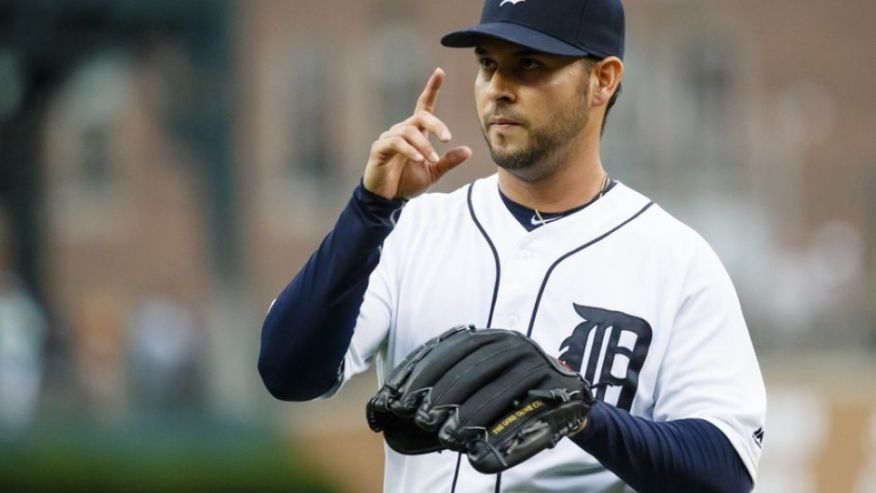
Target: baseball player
[(549, 246)]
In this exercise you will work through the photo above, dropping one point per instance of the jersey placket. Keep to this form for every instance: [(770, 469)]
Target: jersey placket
[(521, 262)]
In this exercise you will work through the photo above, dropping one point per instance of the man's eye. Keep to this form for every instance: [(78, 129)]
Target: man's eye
[(486, 63), (529, 64)]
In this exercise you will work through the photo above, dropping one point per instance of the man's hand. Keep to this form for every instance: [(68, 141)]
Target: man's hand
[(403, 164)]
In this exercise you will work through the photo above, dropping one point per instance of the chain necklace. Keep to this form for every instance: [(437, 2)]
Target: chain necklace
[(602, 188)]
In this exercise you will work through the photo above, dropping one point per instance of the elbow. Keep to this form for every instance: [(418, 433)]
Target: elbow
[(279, 384), (276, 382), (273, 383)]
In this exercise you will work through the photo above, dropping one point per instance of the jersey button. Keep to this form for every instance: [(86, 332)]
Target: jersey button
[(526, 254), (512, 320)]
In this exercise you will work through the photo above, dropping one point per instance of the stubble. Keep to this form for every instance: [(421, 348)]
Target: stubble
[(547, 145)]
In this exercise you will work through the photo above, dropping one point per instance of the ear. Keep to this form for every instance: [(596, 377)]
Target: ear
[(605, 76)]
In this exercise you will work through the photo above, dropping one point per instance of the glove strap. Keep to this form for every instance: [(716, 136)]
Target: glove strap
[(498, 488)]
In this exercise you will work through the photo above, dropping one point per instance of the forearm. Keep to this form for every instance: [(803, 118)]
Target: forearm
[(689, 455), (309, 326)]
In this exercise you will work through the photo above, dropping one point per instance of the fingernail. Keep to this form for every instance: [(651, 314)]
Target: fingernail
[(418, 157), (435, 157), (445, 135)]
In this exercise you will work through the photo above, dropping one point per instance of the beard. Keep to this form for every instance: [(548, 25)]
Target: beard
[(546, 146)]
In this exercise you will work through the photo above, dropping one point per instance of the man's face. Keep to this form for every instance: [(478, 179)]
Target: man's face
[(533, 106)]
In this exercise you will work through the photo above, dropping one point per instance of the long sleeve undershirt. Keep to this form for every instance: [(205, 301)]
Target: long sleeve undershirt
[(310, 325)]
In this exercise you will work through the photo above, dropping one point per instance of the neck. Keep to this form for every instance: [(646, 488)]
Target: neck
[(573, 182)]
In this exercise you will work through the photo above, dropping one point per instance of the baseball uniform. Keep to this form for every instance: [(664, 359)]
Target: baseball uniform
[(620, 291), (617, 289)]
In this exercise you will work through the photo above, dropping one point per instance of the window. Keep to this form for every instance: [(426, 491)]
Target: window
[(399, 71), (309, 153)]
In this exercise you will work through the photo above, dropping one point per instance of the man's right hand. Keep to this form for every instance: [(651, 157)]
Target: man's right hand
[(403, 163)]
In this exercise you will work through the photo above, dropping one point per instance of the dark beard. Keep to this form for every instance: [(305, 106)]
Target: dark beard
[(532, 163), (547, 146)]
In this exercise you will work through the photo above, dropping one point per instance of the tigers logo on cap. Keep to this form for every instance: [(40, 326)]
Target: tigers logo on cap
[(575, 28)]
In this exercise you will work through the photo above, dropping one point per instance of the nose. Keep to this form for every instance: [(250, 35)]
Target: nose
[(500, 87)]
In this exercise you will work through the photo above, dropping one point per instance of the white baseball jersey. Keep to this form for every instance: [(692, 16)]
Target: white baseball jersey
[(620, 291)]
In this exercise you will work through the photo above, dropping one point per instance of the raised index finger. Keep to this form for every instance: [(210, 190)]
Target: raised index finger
[(429, 96)]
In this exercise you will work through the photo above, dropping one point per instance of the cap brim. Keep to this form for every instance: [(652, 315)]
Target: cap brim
[(513, 33)]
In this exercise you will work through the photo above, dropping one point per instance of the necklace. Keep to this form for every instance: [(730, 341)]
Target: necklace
[(542, 221)]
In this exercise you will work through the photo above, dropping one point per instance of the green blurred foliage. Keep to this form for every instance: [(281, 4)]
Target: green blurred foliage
[(155, 457)]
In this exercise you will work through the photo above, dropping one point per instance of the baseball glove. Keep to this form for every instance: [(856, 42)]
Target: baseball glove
[(492, 394)]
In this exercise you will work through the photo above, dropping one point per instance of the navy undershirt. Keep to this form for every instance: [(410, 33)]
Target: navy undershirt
[(529, 219), (309, 327)]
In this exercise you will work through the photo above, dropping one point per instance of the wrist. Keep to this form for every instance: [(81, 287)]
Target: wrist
[(376, 208), (580, 428), (373, 187), (592, 424), (378, 197)]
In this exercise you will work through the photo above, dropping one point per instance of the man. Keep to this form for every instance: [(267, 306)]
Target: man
[(549, 246)]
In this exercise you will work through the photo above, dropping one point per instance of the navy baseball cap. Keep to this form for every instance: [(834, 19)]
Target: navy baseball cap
[(563, 27)]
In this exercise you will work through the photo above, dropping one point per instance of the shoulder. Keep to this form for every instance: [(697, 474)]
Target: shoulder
[(444, 208), (431, 218), (660, 228), (433, 203), (669, 241)]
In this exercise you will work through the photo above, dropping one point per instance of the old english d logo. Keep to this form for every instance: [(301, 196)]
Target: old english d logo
[(602, 352)]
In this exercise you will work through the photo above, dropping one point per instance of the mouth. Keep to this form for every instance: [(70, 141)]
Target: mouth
[(502, 123)]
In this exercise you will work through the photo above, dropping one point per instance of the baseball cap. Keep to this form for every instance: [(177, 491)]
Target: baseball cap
[(563, 27)]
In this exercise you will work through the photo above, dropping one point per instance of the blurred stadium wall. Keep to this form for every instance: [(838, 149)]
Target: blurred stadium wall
[(166, 167)]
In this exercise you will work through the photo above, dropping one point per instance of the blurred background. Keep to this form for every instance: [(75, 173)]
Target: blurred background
[(167, 166)]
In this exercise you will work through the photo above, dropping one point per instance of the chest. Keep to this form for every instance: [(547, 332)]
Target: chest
[(605, 309)]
